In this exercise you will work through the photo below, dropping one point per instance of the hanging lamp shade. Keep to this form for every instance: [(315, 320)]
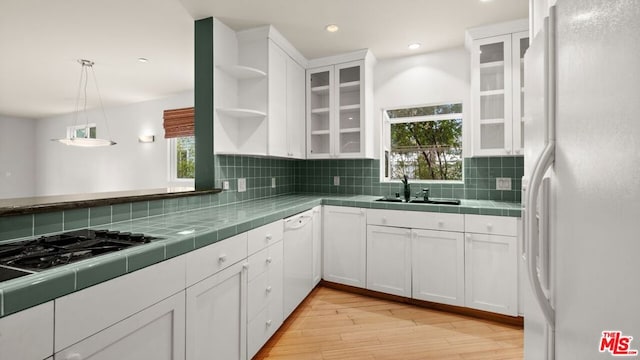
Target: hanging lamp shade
[(81, 109)]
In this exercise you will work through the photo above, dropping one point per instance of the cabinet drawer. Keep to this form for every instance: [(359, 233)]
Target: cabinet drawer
[(263, 290), (485, 224), (261, 328), (260, 238), (264, 260), (93, 309), (416, 219), (209, 260)]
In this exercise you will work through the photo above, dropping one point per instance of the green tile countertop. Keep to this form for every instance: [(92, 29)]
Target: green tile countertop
[(184, 231)]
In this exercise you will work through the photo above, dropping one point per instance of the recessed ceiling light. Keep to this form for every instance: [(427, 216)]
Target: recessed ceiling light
[(332, 28), (414, 46), (143, 60), (486, 0)]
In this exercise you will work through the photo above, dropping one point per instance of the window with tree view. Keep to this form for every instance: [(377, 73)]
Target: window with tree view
[(185, 151), (424, 142)]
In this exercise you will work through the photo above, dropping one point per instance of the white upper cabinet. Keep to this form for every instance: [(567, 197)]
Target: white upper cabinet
[(340, 107), (496, 87), (258, 93)]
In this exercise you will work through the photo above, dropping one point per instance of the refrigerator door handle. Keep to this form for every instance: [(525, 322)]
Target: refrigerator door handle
[(533, 241), (542, 164)]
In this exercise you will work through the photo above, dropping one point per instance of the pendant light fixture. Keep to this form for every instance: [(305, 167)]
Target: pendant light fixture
[(81, 109)]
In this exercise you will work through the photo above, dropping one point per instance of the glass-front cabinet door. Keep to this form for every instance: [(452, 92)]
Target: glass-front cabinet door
[(348, 112), (335, 111), (492, 95), (320, 95), (520, 44)]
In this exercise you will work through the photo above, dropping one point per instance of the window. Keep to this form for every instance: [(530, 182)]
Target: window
[(182, 155), (179, 130), (423, 142), (80, 131)]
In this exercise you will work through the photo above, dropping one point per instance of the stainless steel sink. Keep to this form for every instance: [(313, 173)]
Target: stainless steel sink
[(436, 201), (385, 199)]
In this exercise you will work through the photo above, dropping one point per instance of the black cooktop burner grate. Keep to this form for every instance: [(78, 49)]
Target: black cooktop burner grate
[(50, 251)]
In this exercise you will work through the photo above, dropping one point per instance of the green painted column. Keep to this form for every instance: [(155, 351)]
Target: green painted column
[(205, 175)]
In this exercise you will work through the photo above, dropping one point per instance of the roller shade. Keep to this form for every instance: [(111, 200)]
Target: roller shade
[(178, 122)]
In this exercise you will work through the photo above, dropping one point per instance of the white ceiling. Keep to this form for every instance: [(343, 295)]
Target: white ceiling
[(42, 39)]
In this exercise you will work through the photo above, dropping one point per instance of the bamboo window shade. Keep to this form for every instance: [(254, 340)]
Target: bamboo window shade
[(179, 122)]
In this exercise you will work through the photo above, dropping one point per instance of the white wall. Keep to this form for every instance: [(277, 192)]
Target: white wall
[(17, 157), (423, 79), (129, 165)]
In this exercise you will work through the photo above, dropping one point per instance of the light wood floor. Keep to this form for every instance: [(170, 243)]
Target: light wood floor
[(333, 324)]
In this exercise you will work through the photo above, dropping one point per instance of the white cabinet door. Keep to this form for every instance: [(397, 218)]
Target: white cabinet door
[(389, 260), (317, 244), (491, 94), (497, 93), (519, 44), (18, 332), (491, 273), (295, 112), (320, 104), (154, 333), (217, 316), (344, 240), (349, 114), (438, 266), (277, 122)]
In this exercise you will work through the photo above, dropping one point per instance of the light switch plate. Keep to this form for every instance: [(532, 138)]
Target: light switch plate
[(273, 182), (503, 183), (336, 181), (225, 185), (242, 185)]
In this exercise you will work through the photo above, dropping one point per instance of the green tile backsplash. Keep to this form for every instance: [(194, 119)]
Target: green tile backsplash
[(357, 177), (362, 177), (258, 172)]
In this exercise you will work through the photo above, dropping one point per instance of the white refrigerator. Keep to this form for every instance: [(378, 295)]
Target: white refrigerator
[(581, 189)]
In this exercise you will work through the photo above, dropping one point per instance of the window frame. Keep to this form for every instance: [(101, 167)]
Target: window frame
[(172, 155), (385, 138), (72, 131)]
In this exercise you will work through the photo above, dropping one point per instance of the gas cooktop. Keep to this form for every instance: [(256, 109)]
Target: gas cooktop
[(50, 251)]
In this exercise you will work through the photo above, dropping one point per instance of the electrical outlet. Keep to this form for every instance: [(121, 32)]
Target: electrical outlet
[(273, 182), (336, 181), (242, 185), (225, 185), (503, 183)]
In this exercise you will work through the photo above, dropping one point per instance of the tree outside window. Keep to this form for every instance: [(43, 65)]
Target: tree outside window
[(425, 143), (185, 157)]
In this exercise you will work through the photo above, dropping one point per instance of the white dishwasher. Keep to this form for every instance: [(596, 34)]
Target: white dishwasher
[(298, 259)]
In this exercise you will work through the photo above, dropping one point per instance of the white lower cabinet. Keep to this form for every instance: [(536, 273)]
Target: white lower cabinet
[(345, 252), (491, 263), (154, 333), (491, 270), (389, 260), (217, 315), (438, 266), (18, 332)]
